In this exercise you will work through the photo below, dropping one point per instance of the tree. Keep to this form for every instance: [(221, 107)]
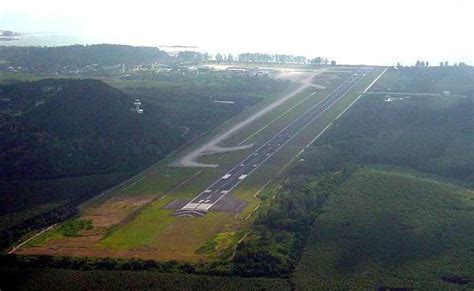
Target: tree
[(219, 58), (316, 61), (333, 63), (300, 59), (190, 56)]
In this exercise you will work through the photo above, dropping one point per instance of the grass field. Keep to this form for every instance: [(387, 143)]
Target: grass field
[(429, 133), (456, 80), (391, 229), (8, 77)]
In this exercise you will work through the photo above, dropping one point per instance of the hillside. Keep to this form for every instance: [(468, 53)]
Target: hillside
[(64, 141), (63, 128), (394, 230)]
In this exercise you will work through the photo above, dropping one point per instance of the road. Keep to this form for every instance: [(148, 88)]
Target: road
[(224, 185), (15, 248)]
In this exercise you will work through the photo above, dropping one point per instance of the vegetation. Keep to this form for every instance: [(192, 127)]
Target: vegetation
[(66, 140), (386, 229), (86, 125), (279, 233), (431, 134), (24, 272), (47, 58), (403, 229), (456, 80), (187, 100), (73, 226), (336, 222), (41, 203), (54, 279)]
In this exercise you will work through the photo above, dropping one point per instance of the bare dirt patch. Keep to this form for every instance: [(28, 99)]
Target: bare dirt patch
[(113, 211), (176, 204)]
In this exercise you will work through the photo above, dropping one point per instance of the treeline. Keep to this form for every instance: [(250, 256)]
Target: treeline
[(271, 59), (279, 59), (426, 64), (53, 59), (89, 264), (56, 279), (44, 58), (197, 57), (279, 233), (13, 233)]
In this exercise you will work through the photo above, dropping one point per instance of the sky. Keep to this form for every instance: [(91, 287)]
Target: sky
[(381, 32)]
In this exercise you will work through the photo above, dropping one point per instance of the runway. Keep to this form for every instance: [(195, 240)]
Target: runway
[(205, 200)]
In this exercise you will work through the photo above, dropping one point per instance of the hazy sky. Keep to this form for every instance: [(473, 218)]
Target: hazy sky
[(350, 31)]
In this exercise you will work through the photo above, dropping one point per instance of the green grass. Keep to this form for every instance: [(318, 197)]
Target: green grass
[(221, 242), (428, 134), (52, 234), (457, 80), (142, 230), (390, 229), (70, 228)]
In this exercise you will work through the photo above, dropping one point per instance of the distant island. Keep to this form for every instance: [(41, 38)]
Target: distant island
[(179, 46), (6, 35)]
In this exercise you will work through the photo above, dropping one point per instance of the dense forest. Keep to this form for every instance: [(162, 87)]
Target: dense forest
[(63, 128)]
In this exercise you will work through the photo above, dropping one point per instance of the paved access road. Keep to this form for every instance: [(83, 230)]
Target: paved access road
[(215, 192)]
